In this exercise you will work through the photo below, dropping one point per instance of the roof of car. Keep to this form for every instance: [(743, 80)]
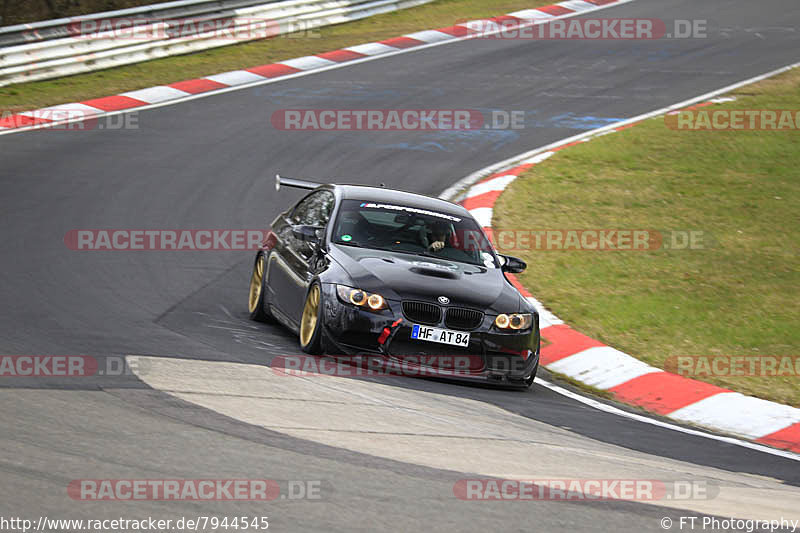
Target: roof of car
[(394, 196)]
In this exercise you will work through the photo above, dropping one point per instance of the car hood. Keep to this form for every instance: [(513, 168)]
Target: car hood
[(402, 276)]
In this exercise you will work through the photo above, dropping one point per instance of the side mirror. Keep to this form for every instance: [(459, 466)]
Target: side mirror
[(512, 265), (306, 233)]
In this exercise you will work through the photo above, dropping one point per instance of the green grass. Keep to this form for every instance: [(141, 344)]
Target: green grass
[(22, 97), (738, 295)]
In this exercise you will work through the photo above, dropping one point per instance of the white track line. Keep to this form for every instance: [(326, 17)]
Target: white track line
[(600, 406)]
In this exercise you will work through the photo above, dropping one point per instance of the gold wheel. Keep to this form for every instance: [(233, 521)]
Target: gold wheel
[(308, 323), (256, 282)]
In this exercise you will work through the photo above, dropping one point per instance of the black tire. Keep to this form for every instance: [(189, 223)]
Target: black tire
[(256, 302), (311, 340)]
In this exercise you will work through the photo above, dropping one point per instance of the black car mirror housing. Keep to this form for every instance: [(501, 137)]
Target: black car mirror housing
[(512, 265)]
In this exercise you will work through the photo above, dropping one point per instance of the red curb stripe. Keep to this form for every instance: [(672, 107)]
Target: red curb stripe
[(627, 126), (455, 31), (555, 10), (519, 169), (273, 70), (559, 148), (486, 199), (663, 392), (21, 121), (402, 42), (516, 171), (340, 56), (200, 85), (564, 341), (114, 103), (787, 438)]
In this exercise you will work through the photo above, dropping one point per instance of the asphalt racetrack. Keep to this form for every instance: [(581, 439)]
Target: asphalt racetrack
[(386, 451)]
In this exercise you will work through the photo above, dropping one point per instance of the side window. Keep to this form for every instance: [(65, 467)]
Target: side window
[(314, 210)]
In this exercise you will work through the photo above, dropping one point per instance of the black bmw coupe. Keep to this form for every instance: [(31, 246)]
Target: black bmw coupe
[(396, 276)]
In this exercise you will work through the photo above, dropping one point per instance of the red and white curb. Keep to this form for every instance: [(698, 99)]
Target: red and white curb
[(183, 90), (630, 380)]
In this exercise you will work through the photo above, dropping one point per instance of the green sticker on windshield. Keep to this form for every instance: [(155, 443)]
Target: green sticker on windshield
[(347, 238)]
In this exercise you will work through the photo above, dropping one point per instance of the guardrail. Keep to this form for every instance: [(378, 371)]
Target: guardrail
[(53, 29), (65, 47)]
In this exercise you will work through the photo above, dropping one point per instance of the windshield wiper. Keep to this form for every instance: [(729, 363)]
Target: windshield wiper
[(351, 243), (425, 253)]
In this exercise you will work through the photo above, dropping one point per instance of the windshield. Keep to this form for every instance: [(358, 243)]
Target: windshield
[(405, 229)]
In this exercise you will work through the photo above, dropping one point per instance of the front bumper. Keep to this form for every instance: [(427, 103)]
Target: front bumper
[(493, 356)]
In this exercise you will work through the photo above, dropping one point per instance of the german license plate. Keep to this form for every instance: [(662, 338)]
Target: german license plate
[(443, 336)]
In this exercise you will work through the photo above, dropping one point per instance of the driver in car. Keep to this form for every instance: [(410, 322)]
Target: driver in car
[(441, 235)]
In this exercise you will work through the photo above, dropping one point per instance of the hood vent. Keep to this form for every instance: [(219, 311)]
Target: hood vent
[(435, 272)]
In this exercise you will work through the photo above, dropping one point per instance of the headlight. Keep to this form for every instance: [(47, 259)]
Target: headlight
[(514, 321), (376, 302), (373, 302)]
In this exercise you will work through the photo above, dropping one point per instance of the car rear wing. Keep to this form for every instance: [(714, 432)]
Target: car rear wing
[(291, 182)]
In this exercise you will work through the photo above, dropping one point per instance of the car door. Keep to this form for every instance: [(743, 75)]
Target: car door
[(293, 262)]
